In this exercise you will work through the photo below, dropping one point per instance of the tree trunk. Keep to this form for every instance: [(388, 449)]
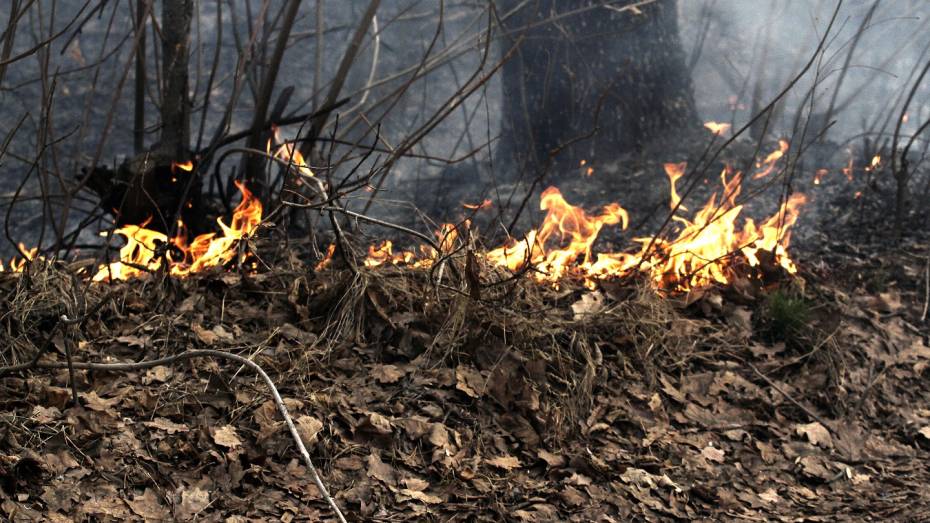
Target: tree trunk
[(623, 72), (175, 109)]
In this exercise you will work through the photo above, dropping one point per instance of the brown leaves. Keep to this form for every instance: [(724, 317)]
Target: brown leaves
[(816, 433), (226, 437)]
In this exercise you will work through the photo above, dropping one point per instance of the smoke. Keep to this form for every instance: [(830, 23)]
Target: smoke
[(741, 55), (748, 51)]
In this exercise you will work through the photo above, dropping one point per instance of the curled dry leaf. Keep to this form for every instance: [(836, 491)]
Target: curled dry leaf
[(226, 436), (507, 463), (193, 501), (816, 433), (470, 381), (713, 454), (309, 428)]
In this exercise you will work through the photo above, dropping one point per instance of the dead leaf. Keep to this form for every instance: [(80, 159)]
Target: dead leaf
[(816, 433), (380, 470), (132, 341), (713, 454), (96, 403), (226, 437), (45, 415), (159, 374), (193, 501), (421, 496), (553, 460), (591, 303), (376, 423), (387, 373), (309, 428), (507, 463), (770, 496), (166, 425), (149, 506), (205, 336), (438, 435), (470, 381)]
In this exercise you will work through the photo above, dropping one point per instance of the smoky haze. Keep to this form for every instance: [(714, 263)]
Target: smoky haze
[(741, 55)]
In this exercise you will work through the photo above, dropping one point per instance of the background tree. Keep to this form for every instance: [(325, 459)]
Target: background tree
[(592, 80)]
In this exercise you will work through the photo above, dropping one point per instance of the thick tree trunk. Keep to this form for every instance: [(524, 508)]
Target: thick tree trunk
[(175, 110), (628, 68)]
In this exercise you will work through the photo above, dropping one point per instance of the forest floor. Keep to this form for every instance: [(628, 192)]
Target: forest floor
[(417, 402)]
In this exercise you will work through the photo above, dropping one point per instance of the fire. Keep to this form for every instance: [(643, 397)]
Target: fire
[(819, 175), (476, 206), (717, 128), (289, 154), (674, 172), (573, 230), (384, 254), (706, 249), (19, 264), (767, 165), (187, 166), (147, 250)]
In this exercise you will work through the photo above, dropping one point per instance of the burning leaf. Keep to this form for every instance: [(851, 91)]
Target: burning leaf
[(674, 171), (476, 206), (141, 254)]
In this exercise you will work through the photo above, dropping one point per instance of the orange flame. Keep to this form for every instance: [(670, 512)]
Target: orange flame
[(142, 252), (717, 128), (17, 264), (702, 252), (475, 206), (819, 175), (288, 154), (768, 164), (187, 166), (674, 172)]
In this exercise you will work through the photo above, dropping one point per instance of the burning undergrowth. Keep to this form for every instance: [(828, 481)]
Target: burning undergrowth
[(420, 401), (713, 245)]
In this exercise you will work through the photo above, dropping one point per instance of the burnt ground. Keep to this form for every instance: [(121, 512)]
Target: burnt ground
[(420, 403)]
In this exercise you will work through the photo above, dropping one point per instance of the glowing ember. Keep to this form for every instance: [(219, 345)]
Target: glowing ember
[(475, 206), (717, 128), (187, 166), (147, 250), (819, 175)]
